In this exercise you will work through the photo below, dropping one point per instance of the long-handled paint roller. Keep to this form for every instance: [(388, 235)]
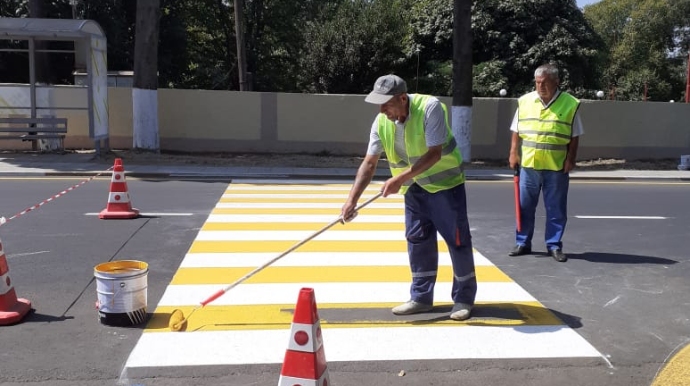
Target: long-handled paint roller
[(177, 319), (516, 180)]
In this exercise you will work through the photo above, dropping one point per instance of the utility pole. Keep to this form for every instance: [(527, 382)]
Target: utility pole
[(462, 76), (241, 59), (687, 81)]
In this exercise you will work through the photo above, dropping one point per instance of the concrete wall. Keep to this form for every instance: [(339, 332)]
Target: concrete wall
[(229, 121)]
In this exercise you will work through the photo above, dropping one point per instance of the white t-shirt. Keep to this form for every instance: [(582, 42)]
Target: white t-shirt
[(435, 130), (577, 129)]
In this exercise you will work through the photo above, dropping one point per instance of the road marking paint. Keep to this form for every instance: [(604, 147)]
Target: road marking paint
[(354, 315), (296, 217), (676, 370), (303, 205), (361, 344), (321, 274), (335, 212), (311, 259), (312, 246), (297, 226), (282, 235), (296, 195), (284, 293), (364, 260), (263, 199), (624, 217)]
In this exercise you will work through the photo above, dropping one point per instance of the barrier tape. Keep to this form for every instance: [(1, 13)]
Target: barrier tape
[(4, 221)]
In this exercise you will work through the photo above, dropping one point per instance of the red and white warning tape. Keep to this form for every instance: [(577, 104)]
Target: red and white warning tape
[(4, 221)]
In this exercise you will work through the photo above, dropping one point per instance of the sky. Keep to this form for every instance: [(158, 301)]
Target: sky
[(582, 3)]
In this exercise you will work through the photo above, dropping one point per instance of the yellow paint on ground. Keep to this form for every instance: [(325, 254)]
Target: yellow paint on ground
[(304, 226), (328, 211), (262, 198), (279, 316), (323, 274), (311, 246), (676, 372)]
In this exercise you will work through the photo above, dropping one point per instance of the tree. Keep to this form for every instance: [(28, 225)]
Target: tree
[(647, 43), (145, 91), (362, 41)]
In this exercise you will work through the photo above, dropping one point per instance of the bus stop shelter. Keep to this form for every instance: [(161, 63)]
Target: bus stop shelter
[(90, 51)]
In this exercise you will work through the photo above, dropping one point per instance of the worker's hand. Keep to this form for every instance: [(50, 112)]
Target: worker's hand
[(391, 186), (568, 165), (348, 212), (514, 160)]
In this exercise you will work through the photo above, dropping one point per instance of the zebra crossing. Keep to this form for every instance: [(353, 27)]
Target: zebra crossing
[(358, 270)]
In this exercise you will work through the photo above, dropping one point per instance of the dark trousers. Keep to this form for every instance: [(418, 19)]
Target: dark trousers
[(444, 212)]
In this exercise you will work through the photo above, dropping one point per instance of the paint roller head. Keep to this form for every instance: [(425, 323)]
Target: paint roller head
[(177, 321)]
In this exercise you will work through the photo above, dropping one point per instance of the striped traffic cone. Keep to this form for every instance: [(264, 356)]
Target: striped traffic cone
[(305, 360), (119, 205), (12, 310)]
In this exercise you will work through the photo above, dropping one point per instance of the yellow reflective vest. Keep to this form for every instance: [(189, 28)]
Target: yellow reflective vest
[(444, 174), (545, 132)]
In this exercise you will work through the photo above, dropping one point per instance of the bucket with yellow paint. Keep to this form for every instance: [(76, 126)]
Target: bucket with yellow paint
[(121, 287)]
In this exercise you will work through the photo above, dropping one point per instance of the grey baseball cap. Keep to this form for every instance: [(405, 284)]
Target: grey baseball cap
[(385, 88)]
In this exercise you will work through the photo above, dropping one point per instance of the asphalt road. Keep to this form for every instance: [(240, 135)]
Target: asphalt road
[(623, 289)]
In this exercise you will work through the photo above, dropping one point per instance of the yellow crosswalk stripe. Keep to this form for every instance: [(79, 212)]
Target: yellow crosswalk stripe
[(335, 212), (322, 274), (279, 316), (296, 226), (311, 246)]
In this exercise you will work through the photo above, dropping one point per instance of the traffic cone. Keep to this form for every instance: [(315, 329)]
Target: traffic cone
[(119, 205), (12, 310), (305, 360)]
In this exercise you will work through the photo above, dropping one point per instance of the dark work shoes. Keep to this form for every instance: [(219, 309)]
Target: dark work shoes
[(520, 250), (558, 255)]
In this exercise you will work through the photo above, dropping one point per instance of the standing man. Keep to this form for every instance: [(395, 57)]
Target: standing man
[(549, 127), (426, 167)]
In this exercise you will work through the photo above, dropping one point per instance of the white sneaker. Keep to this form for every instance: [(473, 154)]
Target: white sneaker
[(461, 311), (411, 307)]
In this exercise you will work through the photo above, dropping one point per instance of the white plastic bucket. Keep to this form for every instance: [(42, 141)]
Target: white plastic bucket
[(121, 287)]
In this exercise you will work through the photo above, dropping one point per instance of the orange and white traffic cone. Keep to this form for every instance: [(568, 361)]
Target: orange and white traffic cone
[(12, 310), (119, 205), (305, 360)]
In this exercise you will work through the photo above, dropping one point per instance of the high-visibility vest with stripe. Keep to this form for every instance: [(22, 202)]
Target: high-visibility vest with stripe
[(444, 174), (546, 132)]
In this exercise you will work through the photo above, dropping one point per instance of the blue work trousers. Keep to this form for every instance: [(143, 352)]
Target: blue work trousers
[(427, 214), (554, 185)]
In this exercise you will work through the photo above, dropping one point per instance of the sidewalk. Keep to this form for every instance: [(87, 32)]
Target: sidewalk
[(72, 164)]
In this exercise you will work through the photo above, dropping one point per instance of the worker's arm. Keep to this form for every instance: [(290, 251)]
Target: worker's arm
[(514, 157), (365, 174), (572, 155), (433, 155)]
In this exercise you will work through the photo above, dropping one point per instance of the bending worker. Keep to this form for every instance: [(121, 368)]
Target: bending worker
[(549, 128), (426, 167)]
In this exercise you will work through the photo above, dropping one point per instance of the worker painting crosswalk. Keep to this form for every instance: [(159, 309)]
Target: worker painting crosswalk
[(359, 271)]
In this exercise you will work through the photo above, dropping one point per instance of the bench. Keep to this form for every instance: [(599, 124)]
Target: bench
[(34, 129)]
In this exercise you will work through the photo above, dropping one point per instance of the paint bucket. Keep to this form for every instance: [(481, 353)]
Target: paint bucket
[(121, 288), (684, 162)]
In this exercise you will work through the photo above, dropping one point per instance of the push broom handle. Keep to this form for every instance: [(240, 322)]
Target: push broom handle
[(299, 244)]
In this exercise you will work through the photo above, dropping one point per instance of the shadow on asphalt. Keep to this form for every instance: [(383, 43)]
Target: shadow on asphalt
[(33, 317), (619, 258)]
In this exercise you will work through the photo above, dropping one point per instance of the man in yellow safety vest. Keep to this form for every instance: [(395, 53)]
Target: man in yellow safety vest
[(426, 167), (546, 129)]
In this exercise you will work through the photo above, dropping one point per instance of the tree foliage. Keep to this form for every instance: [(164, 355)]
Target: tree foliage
[(647, 44), (342, 46)]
